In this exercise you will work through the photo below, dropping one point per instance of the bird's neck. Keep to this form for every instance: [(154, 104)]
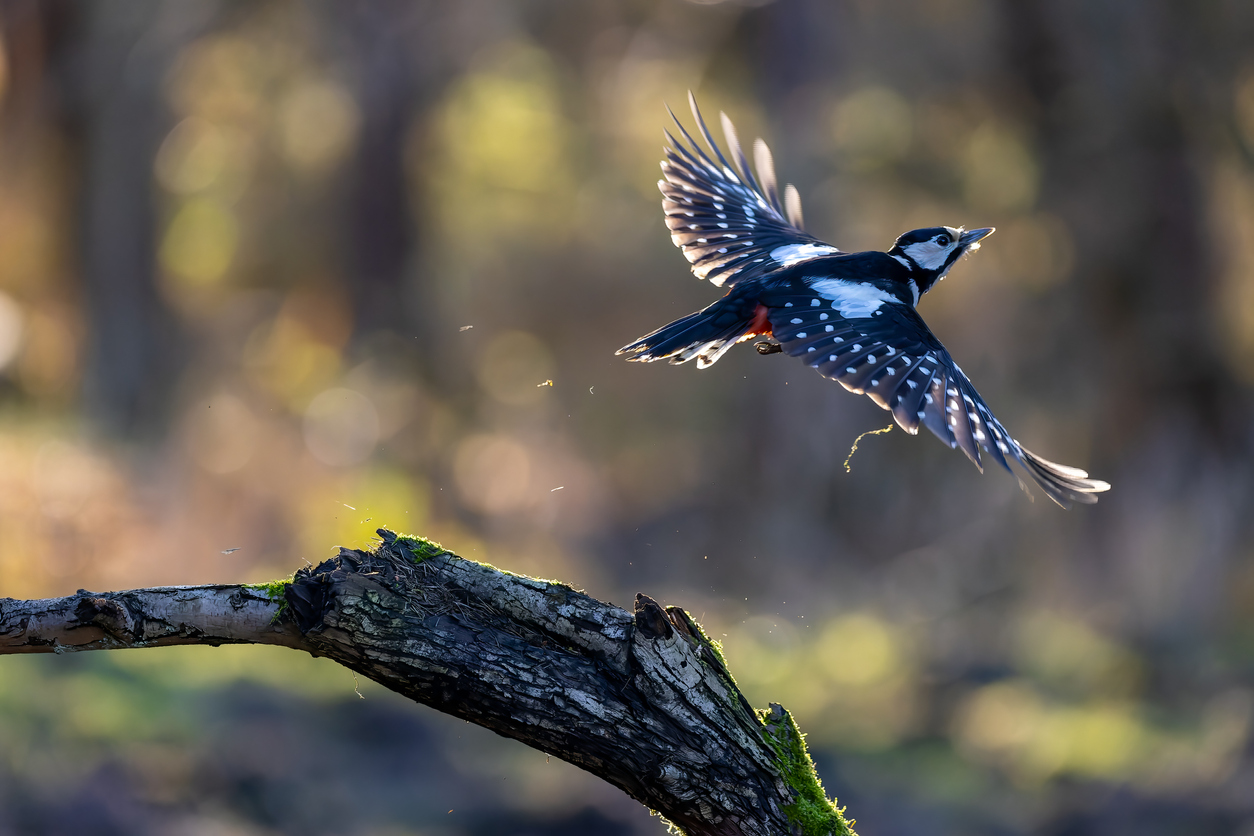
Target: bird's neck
[(919, 279)]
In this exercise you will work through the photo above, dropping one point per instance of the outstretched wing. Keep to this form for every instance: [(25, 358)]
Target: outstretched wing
[(730, 225), (884, 350)]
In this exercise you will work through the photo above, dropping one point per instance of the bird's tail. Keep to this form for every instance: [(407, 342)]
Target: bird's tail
[(1061, 483), (705, 335)]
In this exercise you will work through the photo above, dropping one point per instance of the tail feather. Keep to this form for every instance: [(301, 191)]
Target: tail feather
[(1061, 483), (705, 335)]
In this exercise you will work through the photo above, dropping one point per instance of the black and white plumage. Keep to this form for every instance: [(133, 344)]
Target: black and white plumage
[(851, 316)]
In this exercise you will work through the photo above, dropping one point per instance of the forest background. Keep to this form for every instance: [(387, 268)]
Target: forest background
[(274, 274)]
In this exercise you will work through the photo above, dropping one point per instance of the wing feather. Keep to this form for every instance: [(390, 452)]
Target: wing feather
[(792, 203), (727, 222), (892, 357), (766, 174)]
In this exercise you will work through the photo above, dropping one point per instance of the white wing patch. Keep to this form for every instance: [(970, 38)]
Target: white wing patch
[(854, 300), (791, 254)]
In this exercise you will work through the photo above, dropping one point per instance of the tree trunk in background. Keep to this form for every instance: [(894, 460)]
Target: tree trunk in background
[(403, 65), (380, 221), (117, 119), (1149, 274)]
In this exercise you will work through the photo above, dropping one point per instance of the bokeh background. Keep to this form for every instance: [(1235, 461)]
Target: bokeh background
[(275, 273)]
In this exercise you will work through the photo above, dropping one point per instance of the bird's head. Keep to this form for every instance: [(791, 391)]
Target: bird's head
[(931, 252)]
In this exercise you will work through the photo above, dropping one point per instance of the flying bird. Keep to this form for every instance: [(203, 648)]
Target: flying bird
[(850, 316)]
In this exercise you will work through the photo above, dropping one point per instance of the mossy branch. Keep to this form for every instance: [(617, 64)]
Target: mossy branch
[(643, 699)]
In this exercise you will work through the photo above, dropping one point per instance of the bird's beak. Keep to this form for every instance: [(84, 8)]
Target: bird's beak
[(973, 236)]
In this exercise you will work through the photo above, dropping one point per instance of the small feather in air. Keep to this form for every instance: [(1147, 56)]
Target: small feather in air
[(465, 328), (558, 488), (228, 551)]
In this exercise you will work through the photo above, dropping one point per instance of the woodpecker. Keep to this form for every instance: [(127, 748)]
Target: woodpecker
[(850, 316)]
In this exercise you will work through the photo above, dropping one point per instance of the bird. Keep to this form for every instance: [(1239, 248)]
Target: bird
[(850, 316)]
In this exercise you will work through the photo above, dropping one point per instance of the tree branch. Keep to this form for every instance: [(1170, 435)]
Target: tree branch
[(643, 700)]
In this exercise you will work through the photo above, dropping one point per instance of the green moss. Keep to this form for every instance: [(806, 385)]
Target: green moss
[(420, 548), (716, 659), (715, 646), (275, 591), (812, 810)]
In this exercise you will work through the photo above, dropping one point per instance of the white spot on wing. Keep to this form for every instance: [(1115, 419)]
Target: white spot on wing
[(791, 254)]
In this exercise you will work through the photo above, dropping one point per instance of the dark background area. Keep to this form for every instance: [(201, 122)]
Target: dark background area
[(274, 274)]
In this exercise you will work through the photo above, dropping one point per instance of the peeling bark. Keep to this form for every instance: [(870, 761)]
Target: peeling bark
[(641, 699)]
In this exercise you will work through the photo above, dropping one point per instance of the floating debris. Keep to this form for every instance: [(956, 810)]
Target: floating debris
[(854, 448)]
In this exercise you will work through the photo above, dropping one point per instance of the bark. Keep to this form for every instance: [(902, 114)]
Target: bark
[(642, 699)]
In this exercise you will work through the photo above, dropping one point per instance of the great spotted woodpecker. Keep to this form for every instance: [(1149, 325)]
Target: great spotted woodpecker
[(851, 316)]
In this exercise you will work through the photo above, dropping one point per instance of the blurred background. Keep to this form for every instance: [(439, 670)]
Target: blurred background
[(274, 274)]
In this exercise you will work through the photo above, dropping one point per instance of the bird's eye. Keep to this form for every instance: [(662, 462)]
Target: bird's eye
[(943, 240)]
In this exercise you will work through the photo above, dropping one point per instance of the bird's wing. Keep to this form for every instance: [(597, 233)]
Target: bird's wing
[(730, 225), (887, 352)]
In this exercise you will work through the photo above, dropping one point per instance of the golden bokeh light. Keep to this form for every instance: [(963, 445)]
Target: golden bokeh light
[(317, 123), (222, 433), (341, 427), (513, 368), (200, 242), (872, 126), (494, 474), (861, 650), (1000, 173)]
